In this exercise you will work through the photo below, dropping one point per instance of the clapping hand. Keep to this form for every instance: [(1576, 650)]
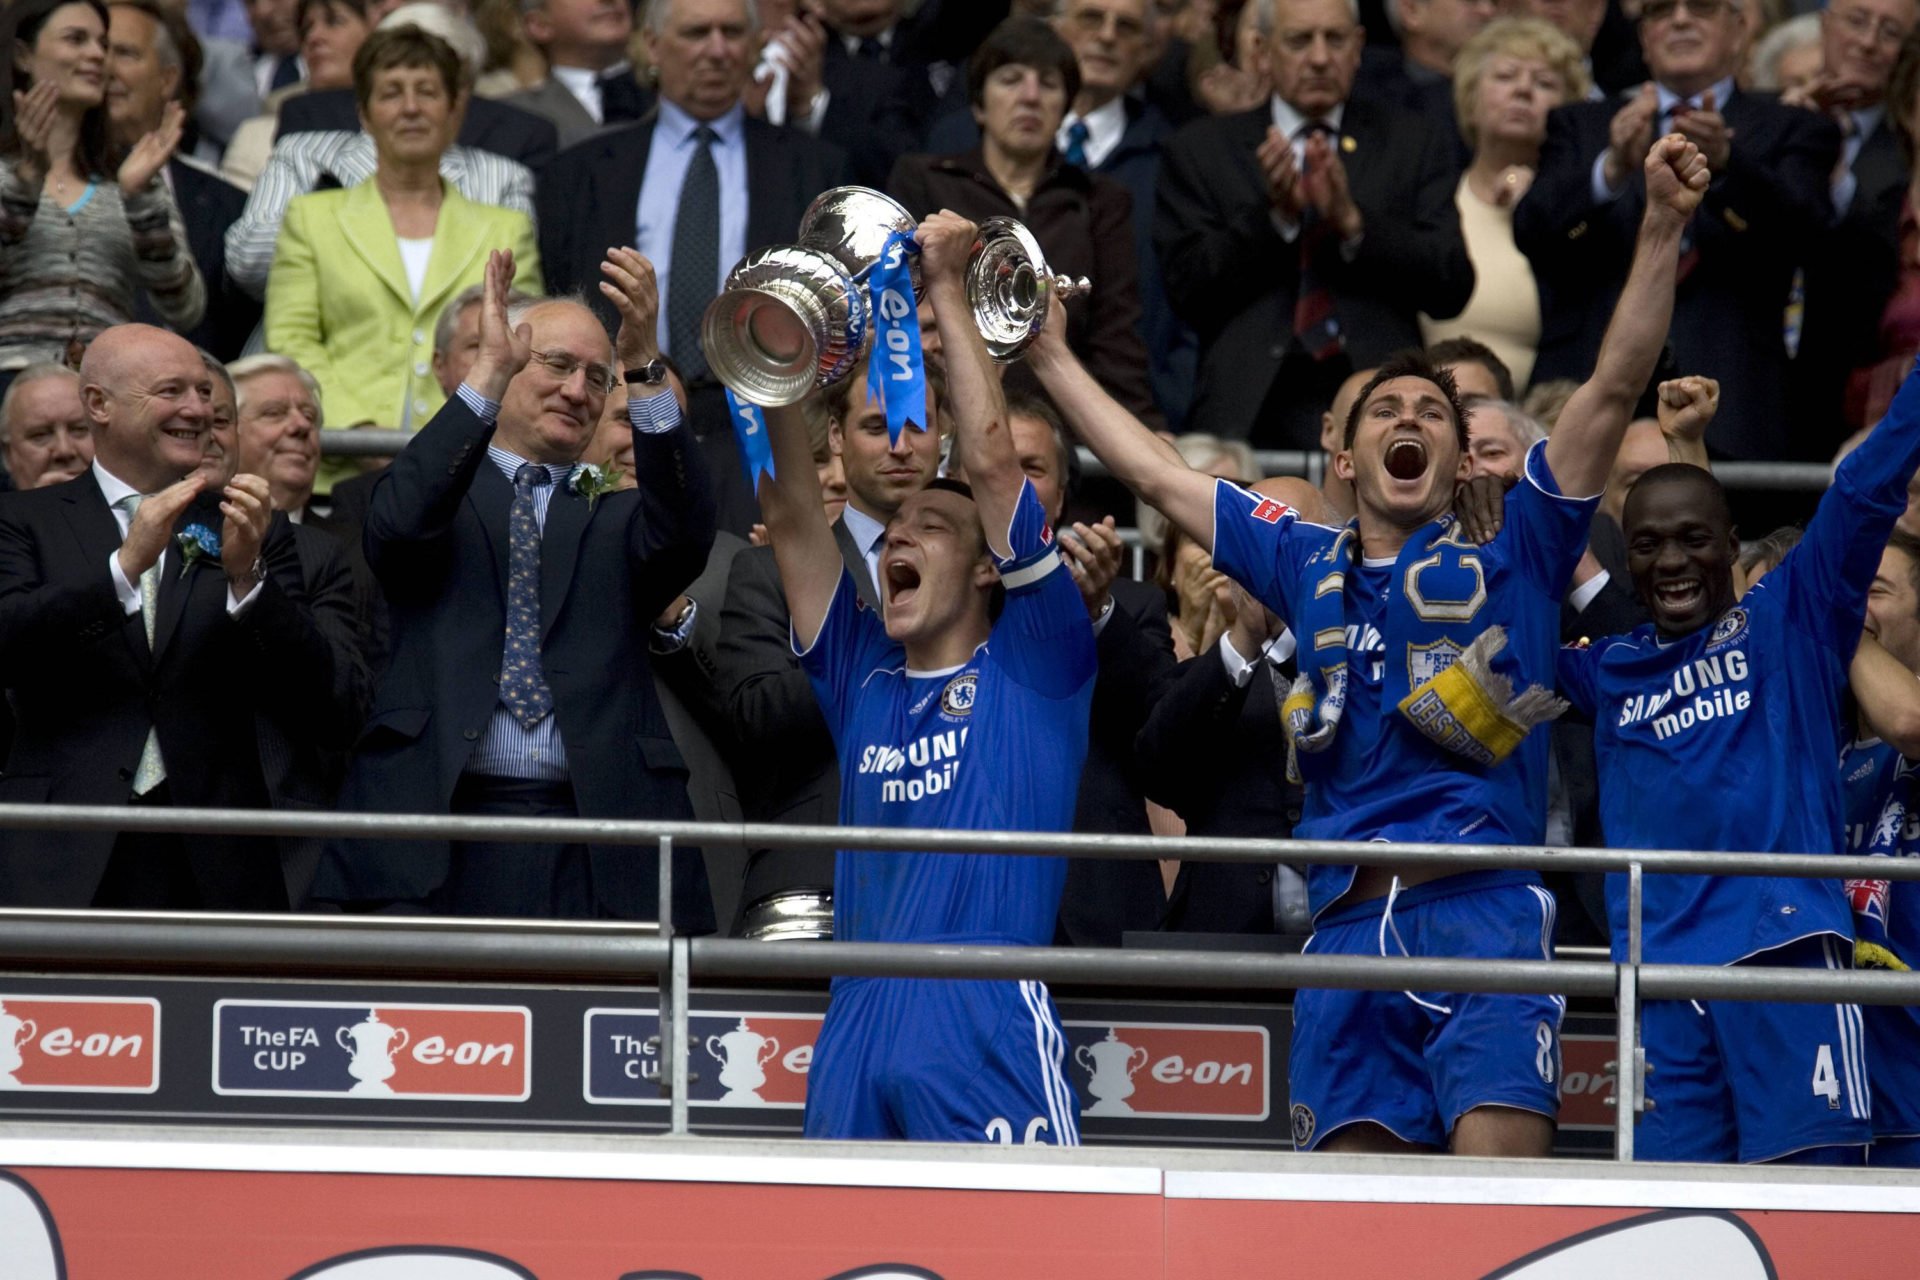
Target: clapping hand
[(1092, 555), (151, 528), (248, 508), (634, 290), (1275, 155), (33, 114), (504, 350), (152, 151), (1325, 184), (1707, 129), (1630, 134)]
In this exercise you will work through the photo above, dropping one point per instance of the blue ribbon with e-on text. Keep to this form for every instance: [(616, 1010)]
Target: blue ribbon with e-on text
[(896, 376), (750, 429)]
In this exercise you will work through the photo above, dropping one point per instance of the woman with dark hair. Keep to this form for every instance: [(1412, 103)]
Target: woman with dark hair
[(362, 272), (1020, 82), (79, 234), (331, 32)]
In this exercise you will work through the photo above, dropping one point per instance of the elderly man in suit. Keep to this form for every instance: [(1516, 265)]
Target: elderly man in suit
[(147, 621), (1301, 239), (693, 189), (1769, 200), (151, 59), (521, 588), (590, 82)]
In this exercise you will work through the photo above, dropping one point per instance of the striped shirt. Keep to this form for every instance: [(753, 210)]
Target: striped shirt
[(70, 272), (506, 749)]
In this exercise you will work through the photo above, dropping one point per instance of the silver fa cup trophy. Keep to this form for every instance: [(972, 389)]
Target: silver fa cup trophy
[(793, 318)]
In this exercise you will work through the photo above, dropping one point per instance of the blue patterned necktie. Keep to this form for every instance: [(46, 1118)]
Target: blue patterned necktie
[(694, 273), (523, 684), (1077, 134)]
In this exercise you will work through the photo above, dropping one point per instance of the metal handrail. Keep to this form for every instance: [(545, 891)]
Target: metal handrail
[(384, 442), (397, 948)]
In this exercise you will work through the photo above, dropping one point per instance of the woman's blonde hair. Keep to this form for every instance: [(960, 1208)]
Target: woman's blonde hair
[(1519, 38)]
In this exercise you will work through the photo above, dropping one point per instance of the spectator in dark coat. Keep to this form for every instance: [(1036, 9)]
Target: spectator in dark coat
[(1020, 83)]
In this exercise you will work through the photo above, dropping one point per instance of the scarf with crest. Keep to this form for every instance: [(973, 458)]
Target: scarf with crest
[(1440, 654)]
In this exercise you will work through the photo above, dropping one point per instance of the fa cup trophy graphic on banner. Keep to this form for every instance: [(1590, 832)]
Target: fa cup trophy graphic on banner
[(743, 1054), (1111, 1063), (373, 1047), (15, 1033)]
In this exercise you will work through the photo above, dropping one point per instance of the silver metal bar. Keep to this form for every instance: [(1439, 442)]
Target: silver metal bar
[(1634, 900), (362, 442), (611, 831), (1626, 1076), (680, 965), (669, 1025)]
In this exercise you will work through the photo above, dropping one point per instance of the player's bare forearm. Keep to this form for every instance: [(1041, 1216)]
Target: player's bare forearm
[(1580, 452), (978, 407), (1889, 696), (1138, 458), (803, 545)]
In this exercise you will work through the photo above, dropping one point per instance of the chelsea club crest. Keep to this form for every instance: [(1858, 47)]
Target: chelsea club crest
[(956, 699), (1728, 627)]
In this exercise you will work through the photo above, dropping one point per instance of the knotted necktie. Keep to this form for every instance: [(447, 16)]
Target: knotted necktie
[(872, 50), (523, 684), (152, 770), (695, 272), (1315, 325), (1077, 134)]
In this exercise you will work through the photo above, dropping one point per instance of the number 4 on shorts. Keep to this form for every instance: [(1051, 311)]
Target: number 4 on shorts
[(1825, 1082)]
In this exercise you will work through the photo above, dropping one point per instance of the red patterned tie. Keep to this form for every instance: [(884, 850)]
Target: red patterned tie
[(1315, 326)]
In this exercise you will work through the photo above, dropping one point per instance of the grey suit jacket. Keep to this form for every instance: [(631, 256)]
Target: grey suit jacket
[(553, 101)]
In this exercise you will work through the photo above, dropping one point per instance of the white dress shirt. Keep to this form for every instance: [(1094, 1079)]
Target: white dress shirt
[(115, 491), (1105, 126)]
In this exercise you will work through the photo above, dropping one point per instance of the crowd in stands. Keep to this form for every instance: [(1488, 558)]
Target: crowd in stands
[(496, 225)]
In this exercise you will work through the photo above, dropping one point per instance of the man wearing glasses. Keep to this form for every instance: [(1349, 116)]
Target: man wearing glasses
[(1768, 203), (525, 591)]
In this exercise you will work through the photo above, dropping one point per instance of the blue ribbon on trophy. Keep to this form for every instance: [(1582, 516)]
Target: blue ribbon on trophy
[(750, 429), (896, 373)]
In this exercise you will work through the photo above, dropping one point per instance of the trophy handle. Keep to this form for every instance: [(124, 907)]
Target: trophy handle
[(773, 1047), (31, 1028), (1136, 1060), (717, 1055), (400, 1041), (1085, 1059), (340, 1038)]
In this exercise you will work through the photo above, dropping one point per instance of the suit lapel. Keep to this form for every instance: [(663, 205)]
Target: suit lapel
[(491, 498), (618, 182), (856, 562), (367, 226), (177, 581), (98, 535), (1877, 167), (769, 187), (462, 234), (566, 525)]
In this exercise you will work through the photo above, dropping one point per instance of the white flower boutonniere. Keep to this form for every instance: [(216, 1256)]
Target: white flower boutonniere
[(590, 480)]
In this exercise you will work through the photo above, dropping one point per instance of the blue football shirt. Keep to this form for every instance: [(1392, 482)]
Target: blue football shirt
[(1387, 780), (1867, 768), (995, 744), (1728, 738)]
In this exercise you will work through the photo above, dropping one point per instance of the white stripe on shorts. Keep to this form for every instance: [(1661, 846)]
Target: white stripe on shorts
[(1050, 1045)]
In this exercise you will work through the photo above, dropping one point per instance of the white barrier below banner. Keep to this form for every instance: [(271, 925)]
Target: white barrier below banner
[(250, 1205)]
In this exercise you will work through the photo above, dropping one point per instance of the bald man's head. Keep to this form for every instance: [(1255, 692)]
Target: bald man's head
[(149, 397)]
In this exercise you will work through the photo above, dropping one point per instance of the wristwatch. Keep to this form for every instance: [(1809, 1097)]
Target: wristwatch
[(650, 374)]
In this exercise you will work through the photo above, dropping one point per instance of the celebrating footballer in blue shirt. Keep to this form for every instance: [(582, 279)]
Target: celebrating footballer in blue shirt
[(1425, 663), (964, 706), (1745, 703)]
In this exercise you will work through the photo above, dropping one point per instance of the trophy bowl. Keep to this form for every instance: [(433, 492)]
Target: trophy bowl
[(852, 224), (790, 319), (1008, 285)]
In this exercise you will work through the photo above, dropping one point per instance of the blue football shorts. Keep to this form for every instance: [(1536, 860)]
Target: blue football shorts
[(1414, 1062), (941, 1060), (1735, 1080), (1893, 1070)]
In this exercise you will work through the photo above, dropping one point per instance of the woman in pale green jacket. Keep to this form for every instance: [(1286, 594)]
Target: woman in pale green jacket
[(360, 274)]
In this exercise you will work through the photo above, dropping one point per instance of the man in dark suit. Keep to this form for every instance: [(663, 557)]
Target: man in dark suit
[(1851, 271), (1769, 200), (904, 64), (1302, 239), (520, 597), (147, 621), (151, 54), (590, 82), (673, 187)]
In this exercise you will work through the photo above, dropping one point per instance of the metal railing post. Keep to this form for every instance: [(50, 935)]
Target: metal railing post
[(680, 965), (1630, 1058), (670, 1052)]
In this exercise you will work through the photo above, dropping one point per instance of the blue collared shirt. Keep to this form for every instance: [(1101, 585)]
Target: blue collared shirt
[(667, 161), (507, 749)]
